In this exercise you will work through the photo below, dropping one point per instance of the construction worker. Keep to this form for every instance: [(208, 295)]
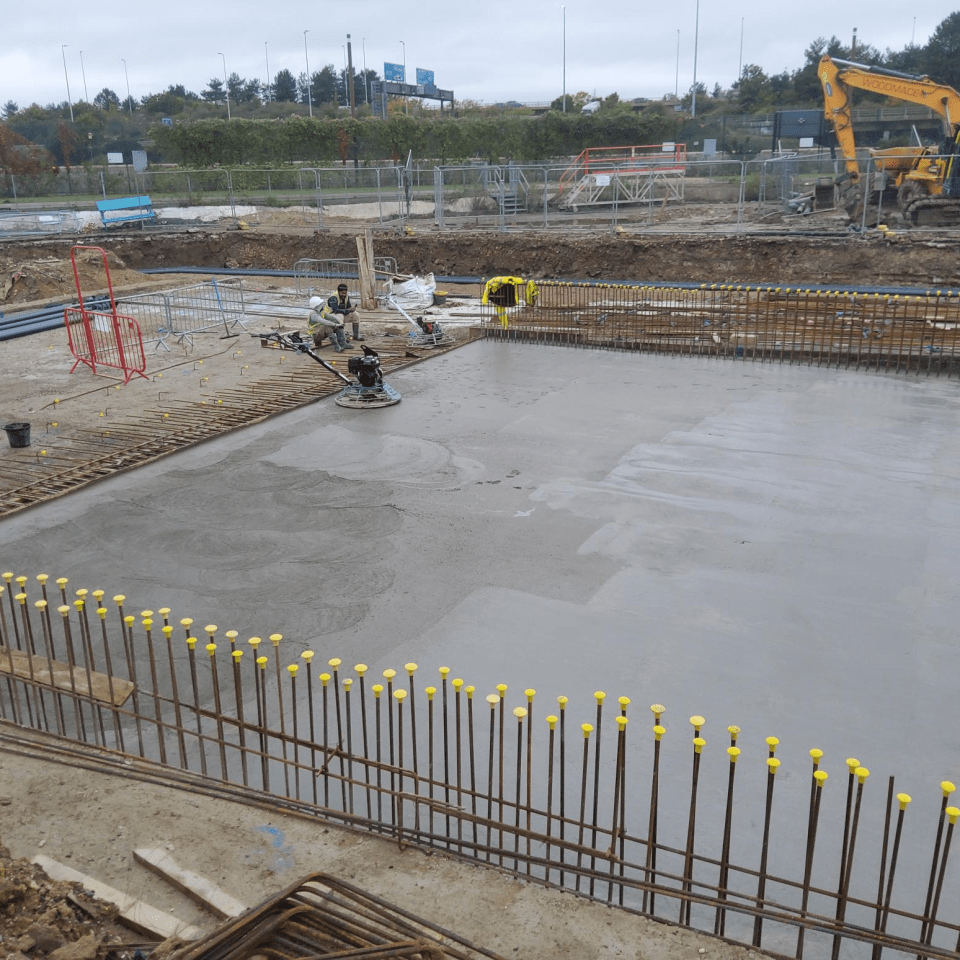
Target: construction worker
[(322, 323), (340, 304)]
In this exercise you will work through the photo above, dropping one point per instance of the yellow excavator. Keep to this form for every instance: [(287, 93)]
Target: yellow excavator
[(922, 182)]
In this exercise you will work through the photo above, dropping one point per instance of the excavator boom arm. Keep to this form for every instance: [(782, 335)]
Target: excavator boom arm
[(838, 77)]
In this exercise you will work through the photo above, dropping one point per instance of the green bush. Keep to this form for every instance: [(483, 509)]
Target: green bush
[(751, 187)]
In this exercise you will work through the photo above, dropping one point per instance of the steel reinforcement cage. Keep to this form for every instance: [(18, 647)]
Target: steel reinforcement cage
[(591, 807), (901, 331)]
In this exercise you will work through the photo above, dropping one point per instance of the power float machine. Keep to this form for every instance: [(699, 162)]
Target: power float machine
[(366, 391)]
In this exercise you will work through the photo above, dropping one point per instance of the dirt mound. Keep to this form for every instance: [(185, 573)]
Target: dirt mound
[(26, 277), (40, 917)]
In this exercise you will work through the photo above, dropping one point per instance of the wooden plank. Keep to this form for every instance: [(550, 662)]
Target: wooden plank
[(134, 913), (371, 271), (365, 300), (198, 888), (20, 664)]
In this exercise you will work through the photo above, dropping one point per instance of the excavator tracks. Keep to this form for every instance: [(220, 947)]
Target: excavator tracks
[(932, 212)]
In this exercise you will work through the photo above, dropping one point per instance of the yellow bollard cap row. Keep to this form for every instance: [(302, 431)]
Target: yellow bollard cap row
[(820, 776)]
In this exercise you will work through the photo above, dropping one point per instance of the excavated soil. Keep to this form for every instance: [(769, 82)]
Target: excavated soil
[(40, 917), (33, 271)]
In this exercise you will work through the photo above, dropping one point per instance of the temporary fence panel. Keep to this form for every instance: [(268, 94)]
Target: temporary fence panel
[(206, 306), (220, 305), (182, 312), (25, 224), (276, 187), (557, 793), (496, 195), (152, 312), (306, 269), (186, 188), (537, 196), (650, 192), (371, 194)]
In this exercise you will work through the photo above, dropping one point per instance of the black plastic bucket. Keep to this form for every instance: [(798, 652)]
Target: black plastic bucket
[(18, 434)]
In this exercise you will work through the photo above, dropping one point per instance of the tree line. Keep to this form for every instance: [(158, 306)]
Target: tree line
[(199, 134), (939, 58), (520, 138), (327, 87)]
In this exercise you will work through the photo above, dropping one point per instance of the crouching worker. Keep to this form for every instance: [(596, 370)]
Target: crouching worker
[(322, 324), (341, 305)]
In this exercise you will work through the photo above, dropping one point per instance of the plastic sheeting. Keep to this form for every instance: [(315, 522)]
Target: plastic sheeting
[(412, 293)]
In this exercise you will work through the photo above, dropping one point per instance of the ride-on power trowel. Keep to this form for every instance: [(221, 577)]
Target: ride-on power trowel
[(367, 390)]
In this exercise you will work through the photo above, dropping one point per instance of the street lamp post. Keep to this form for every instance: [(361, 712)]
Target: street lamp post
[(676, 82), (696, 37), (266, 53), (226, 89), (740, 63), (406, 100), (63, 50), (306, 57), (127, 76), (563, 7), (366, 82), (83, 73)]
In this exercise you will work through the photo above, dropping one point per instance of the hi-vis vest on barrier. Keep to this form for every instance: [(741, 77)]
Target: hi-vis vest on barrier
[(504, 292)]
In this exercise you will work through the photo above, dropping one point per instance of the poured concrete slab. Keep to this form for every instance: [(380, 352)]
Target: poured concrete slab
[(769, 546)]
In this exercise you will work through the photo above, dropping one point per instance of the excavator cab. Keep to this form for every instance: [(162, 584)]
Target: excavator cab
[(951, 177)]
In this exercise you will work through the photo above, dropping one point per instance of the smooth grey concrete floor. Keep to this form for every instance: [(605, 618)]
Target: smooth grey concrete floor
[(766, 545)]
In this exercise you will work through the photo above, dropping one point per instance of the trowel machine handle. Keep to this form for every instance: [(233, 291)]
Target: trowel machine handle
[(293, 341)]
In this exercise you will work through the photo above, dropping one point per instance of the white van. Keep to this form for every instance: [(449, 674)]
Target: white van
[(592, 107)]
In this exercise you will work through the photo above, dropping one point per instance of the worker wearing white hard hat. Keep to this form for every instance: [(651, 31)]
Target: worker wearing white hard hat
[(322, 324)]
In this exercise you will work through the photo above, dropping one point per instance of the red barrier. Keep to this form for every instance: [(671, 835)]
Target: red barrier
[(103, 339)]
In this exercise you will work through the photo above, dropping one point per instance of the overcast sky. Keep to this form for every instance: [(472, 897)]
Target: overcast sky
[(491, 51)]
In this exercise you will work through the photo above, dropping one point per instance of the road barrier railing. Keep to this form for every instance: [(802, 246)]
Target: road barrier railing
[(183, 312)]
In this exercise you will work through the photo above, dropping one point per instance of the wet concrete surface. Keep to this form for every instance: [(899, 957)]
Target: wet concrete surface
[(765, 545)]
